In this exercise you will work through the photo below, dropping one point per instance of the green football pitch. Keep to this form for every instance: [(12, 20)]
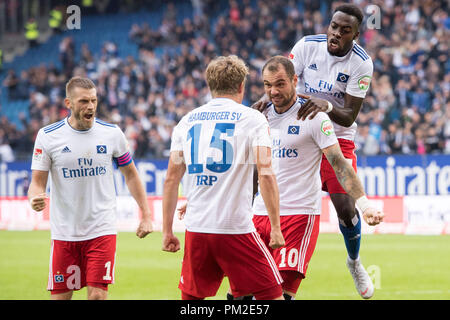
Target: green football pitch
[(402, 267)]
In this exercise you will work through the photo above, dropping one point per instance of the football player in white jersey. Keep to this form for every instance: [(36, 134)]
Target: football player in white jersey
[(297, 148), (334, 74), (217, 145), (78, 152)]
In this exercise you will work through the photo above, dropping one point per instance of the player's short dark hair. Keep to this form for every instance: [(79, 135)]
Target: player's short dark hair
[(352, 10), (273, 65)]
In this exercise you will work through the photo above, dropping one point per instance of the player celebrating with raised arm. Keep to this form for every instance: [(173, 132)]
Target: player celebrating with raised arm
[(79, 152), (219, 143), (334, 73), (297, 148)]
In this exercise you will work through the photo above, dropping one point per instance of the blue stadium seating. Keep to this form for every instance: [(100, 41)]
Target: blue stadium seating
[(95, 30)]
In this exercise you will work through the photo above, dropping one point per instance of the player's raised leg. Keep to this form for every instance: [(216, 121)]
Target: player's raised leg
[(350, 226), (349, 222)]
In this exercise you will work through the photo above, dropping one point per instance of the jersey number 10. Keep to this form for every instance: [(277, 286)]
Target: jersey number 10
[(216, 142)]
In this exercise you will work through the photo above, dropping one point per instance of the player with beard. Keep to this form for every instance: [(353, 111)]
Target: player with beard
[(79, 152), (334, 74), (297, 150)]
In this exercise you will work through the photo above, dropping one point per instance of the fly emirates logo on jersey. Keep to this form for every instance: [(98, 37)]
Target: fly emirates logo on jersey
[(282, 151), (85, 169), (324, 87)]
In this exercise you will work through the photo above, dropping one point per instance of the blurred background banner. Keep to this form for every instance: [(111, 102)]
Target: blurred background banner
[(147, 60), (413, 191), (404, 215), (380, 175), (397, 175), (405, 175)]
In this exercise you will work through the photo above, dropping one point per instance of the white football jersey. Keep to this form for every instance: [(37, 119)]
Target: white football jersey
[(329, 77), (82, 190), (296, 156), (217, 140)]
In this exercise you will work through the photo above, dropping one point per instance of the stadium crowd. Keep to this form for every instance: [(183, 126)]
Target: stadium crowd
[(407, 109)]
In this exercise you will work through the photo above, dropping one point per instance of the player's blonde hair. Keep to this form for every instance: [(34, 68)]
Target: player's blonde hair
[(78, 82), (224, 75)]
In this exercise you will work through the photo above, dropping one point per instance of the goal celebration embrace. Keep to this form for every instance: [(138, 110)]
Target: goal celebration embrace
[(240, 151)]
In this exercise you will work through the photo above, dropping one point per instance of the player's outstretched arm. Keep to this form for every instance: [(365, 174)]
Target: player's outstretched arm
[(137, 190), (270, 194), (351, 184), (36, 190), (342, 116), (175, 172)]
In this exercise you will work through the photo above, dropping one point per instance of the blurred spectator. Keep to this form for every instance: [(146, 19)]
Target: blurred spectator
[(32, 32), (6, 152), (394, 138), (10, 82), (407, 109)]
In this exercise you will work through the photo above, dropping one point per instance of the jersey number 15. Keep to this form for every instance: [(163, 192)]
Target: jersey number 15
[(216, 142)]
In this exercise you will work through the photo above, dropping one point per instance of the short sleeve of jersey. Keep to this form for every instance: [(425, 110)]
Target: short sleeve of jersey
[(297, 56), (359, 81), (322, 131), (177, 137), (261, 133), (41, 159), (121, 153)]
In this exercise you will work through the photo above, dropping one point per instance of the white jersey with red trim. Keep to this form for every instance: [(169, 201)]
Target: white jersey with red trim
[(329, 77), (82, 190), (217, 140), (296, 156)]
